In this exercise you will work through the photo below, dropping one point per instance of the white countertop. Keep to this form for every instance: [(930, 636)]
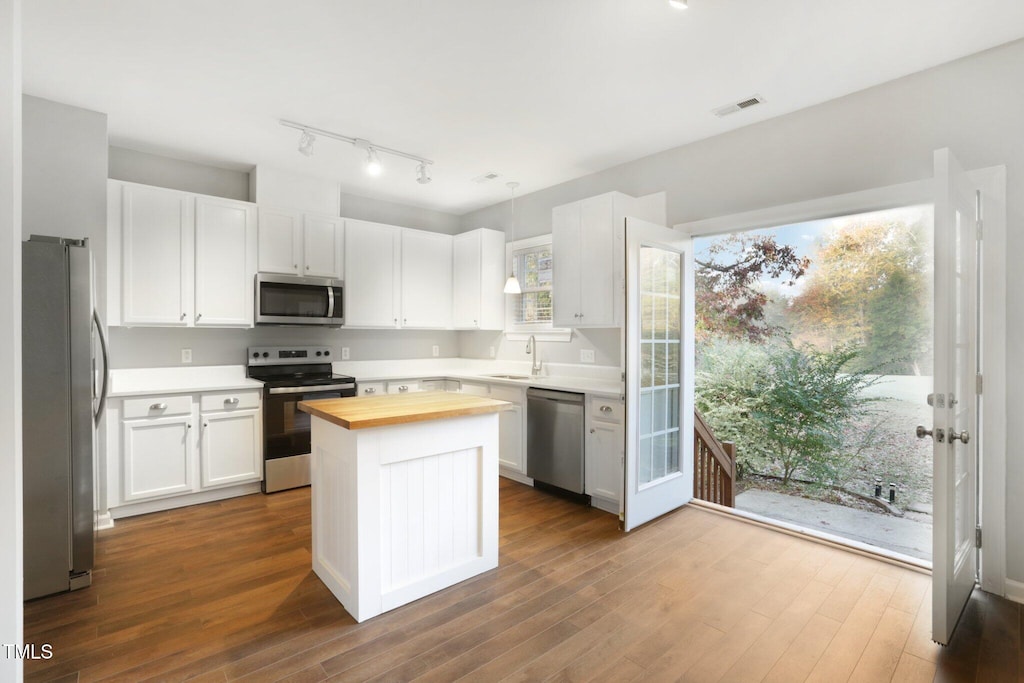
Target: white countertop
[(587, 379), (179, 380)]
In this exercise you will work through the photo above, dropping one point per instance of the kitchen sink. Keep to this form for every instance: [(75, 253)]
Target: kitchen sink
[(508, 376)]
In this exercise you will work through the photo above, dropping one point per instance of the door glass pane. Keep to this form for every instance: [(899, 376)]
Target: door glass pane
[(660, 371)]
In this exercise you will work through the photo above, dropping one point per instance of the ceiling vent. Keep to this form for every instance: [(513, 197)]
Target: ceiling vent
[(486, 177), (747, 103)]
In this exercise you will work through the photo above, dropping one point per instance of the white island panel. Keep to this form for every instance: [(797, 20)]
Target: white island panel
[(403, 511)]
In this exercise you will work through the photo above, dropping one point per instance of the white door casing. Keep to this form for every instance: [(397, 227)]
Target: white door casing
[(659, 372)]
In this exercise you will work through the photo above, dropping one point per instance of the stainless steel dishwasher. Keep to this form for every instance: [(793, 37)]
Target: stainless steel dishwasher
[(554, 438)]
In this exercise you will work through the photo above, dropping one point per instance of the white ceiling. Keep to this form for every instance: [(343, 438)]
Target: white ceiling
[(541, 91)]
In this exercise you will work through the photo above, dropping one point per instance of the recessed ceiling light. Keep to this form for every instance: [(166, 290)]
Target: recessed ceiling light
[(679, 4)]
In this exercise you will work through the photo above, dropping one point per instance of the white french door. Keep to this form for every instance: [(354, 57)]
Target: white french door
[(659, 372), (955, 402)]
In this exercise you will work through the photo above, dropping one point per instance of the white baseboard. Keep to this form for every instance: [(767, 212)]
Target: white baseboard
[(515, 476), (146, 507), (1015, 591), (104, 521)]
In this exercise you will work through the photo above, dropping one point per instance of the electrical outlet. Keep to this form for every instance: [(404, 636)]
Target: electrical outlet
[(186, 355), (492, 352), (436, 350), (344, 353), (586, 355)]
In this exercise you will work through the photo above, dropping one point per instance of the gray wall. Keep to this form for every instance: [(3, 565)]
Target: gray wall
[(379, 211), (153, 169), (64, 172), (605, 344), (877, 137), (146, 347)]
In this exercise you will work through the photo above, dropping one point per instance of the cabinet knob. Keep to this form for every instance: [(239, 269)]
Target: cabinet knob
[(307, 267), (198, 316), (158, 406), (474, 322), (189, 425), (405, 321), (296, 266), (182, 316), (232, 401), (606, 409), (592, 430), (403, 388), (370, 390), (205, 425), (575, 315)]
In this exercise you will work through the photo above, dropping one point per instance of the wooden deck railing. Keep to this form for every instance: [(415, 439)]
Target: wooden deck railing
[(714, 465)]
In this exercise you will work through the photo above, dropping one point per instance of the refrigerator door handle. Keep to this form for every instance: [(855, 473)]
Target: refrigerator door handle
[(106, 368)]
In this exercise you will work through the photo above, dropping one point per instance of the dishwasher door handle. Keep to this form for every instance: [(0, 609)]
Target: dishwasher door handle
[(561, 396)]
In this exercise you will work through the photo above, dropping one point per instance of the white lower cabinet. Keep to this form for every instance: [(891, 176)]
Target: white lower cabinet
[(157, 457), (604, 445), (230, 448), (511, 428), (182, 444)]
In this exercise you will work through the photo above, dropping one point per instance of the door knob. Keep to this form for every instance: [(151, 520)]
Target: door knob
[(921, 432), (963, 437)]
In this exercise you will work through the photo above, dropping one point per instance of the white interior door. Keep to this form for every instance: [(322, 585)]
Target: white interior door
[(659, 373), (955, 401)]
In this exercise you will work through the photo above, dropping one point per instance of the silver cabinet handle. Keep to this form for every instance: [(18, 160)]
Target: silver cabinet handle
[(474, 322), (396, 321), (405, 321), (296, 266), (575, 315), (307, 267), (964, 436), (403, 388), (182, 316), (158, 406), (232, 401), (592, 430), (189, 425), (370, 390), (606, 409), (198, 316)]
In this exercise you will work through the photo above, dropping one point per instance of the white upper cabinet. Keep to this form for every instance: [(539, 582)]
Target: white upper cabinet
[(225, 262), (156, 233), (323, 244), (426, 279), (372, 274), (478, 277), (280, 241), (179, 259), (588, 246)]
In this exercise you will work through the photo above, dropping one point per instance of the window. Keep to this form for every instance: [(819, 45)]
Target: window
[(532, 267), (531, 313)]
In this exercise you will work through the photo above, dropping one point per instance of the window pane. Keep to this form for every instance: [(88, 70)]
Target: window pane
[(532, 267)]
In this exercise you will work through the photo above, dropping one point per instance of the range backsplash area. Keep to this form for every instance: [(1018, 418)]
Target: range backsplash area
[(156, 347)]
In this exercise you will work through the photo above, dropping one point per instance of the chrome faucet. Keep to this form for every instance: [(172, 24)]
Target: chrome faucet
[(531, 347)]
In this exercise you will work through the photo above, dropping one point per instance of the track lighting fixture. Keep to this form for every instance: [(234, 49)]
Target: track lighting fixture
[(423, 174), (679, 4), (512, 283), (374, 167), (306, 143)]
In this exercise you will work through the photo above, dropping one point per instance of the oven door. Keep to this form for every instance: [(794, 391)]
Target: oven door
[(288, 300), (286, 430)]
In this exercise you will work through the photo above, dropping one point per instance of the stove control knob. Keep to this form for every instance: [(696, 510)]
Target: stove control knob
[(266, 355), (256, 354), (319, 354), (327, 353)]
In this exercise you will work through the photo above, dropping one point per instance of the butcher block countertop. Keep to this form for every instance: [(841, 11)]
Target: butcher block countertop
[(361, 412)]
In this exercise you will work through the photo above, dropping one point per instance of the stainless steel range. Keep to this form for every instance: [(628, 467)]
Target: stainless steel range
[(289, 375)]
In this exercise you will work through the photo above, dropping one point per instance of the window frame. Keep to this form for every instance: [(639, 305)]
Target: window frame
[(543, 331)]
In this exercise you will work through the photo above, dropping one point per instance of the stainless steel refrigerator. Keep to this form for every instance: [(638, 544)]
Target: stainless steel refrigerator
[(64, 384)]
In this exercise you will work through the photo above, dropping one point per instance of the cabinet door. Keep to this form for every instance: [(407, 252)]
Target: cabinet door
[(280, 241), (597, 261), (426, 279), (466, 280), (322, 244), (371, 274), (604, 460), (157, 457), (510, 439), (225, 262), (231, 452), (565, 252), (157, 229)]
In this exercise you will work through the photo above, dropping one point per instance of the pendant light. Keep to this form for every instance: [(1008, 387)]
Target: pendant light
[(512, 283)]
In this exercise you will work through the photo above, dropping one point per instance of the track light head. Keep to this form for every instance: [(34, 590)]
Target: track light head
[(306, 143), (373, 165), (679, 4), (423, 174)]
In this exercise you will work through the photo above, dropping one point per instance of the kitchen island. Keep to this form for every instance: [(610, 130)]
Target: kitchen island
[(405, 495)]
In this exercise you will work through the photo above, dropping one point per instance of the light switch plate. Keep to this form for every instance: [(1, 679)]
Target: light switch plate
[(586, 355), (186, 355), (436, 350), (344, 353)]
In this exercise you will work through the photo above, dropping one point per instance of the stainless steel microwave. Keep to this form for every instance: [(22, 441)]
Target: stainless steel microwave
[(293, 300)]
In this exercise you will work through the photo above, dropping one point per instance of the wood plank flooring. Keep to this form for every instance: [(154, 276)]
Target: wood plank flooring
[(224, 592)]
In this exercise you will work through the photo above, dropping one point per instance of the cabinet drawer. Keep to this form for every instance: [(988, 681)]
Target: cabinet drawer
[(403, 387), (500, 392), (157, 406), (475, 389), (229, 401), (606, 410), (371, 388)]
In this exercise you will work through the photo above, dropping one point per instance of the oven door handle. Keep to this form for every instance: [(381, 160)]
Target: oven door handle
[(330, 302), (311, 389)]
